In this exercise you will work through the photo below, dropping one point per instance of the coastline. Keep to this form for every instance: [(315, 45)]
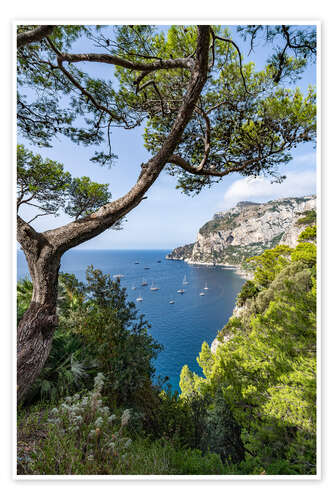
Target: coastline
[(237, 269)]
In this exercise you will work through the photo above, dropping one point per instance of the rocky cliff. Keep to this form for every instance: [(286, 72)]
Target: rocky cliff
[(246, 230)]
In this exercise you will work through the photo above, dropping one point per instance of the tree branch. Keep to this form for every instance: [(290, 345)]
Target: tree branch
[(181, 162), (77, 232), (34, 35), (181, 62), (228, 40)]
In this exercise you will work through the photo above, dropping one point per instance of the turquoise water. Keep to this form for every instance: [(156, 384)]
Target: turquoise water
[(181, 327)]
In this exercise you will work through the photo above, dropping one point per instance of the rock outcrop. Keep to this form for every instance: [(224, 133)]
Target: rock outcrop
[(247, 230)]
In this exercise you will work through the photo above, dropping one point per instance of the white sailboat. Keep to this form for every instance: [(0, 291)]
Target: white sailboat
[(139, 299), (133, 287), (206, 287), (171, 301), (181, 290), (185, 282), (202, 293), (154, 287), (144, 282)]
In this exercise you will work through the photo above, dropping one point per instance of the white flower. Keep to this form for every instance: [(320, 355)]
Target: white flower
[(125, 417), (105, 410), (112, 418), (99, 422), (99, 382), (90, 457)]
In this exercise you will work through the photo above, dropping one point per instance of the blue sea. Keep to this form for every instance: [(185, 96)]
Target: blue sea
[(181, 327)]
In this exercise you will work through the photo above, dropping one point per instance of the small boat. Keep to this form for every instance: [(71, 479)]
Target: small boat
[(154, 288), (171, 301), (185, 282), (159, 261), (146, 268), (139, 299), (202, 293), (180, 291), (144, 283), (133, 287), (136, 262), (206, 287), (118, 276)]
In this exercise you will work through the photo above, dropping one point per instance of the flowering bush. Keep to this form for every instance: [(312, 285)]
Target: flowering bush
[(83, 435)]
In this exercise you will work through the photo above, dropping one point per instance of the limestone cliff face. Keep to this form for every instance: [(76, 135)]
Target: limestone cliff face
[(246, 230)]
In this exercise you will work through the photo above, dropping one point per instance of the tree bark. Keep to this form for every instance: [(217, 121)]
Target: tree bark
[(44, 250), (36, 328)]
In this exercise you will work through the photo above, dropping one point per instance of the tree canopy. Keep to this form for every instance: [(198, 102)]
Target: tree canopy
[(206, 114), (244, 120)]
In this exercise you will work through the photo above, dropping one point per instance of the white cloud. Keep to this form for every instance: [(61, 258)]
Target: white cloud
[(260, 188)]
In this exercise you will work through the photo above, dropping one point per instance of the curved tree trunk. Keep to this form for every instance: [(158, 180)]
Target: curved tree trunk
[(43, 251), (36, 328)]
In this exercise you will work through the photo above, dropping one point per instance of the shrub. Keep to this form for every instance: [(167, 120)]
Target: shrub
[(83, 437)]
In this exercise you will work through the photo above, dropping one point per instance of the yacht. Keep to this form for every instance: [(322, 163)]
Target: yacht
[(153, 287), (202, 293), (185, 282), (181, 290), (171, 301), (139, 299), (206, 287), (144, 282)]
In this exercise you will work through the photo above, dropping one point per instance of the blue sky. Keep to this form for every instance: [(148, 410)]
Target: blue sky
[(168, 218)]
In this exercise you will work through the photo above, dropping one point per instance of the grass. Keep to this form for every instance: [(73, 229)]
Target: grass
[(42, 451)]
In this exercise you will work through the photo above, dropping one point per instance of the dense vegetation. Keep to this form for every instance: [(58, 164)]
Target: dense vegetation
[(95, 409), (265, 366)]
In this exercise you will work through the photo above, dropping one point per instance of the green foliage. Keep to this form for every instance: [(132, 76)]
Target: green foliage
[(221, 433), (265, 368), (98, 330), (24, 294), (86, 196), (252, 121), (309, 234), (309, 217), (116, 338), (45, 185), (269, 264), (248, 291), (83, 437)]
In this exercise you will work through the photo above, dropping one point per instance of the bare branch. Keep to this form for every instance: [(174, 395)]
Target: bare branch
[(228, 40), (181, 62)]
